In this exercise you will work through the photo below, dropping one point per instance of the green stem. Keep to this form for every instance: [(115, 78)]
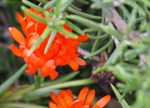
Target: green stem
[(12, 79)]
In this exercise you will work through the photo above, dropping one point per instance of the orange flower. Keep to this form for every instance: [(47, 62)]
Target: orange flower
[(63, 50), (84, 100)]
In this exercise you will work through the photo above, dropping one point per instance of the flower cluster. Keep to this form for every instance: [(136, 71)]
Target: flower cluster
[(84, 100), (63, 50)]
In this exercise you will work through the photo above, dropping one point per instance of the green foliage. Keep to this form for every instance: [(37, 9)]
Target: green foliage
[(121, 29)]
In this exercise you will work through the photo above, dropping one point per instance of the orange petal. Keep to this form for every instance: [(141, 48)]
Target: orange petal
[(16, 50), (29, 25), (53, 74), (34, 37), (44, 72), (82, 38), (78, 104), (69, 92), (102, 102), (19, 17), (48, 69), (73, 65), (40, 61), (53, 97), (80, 61), (32, 59), (89, 98), (68, 99), (16, 35), (26, 52), (61, 101), (66, 27), (52, 105), (83, 93), (56, 48), (31, 69), (50, 53), (24, 25)]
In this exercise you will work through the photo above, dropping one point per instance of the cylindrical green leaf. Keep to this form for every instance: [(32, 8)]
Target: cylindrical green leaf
[(74, 27), (33, 15), (98, 51), (66, 33), (122, 102), (41, 39), (12, 79), (45, 90), (51, 38), (33, 5), (50, 4), (83, 14)]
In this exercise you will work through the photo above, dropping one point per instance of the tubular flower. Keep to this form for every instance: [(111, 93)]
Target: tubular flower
[(84, 100), (63, 50)]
